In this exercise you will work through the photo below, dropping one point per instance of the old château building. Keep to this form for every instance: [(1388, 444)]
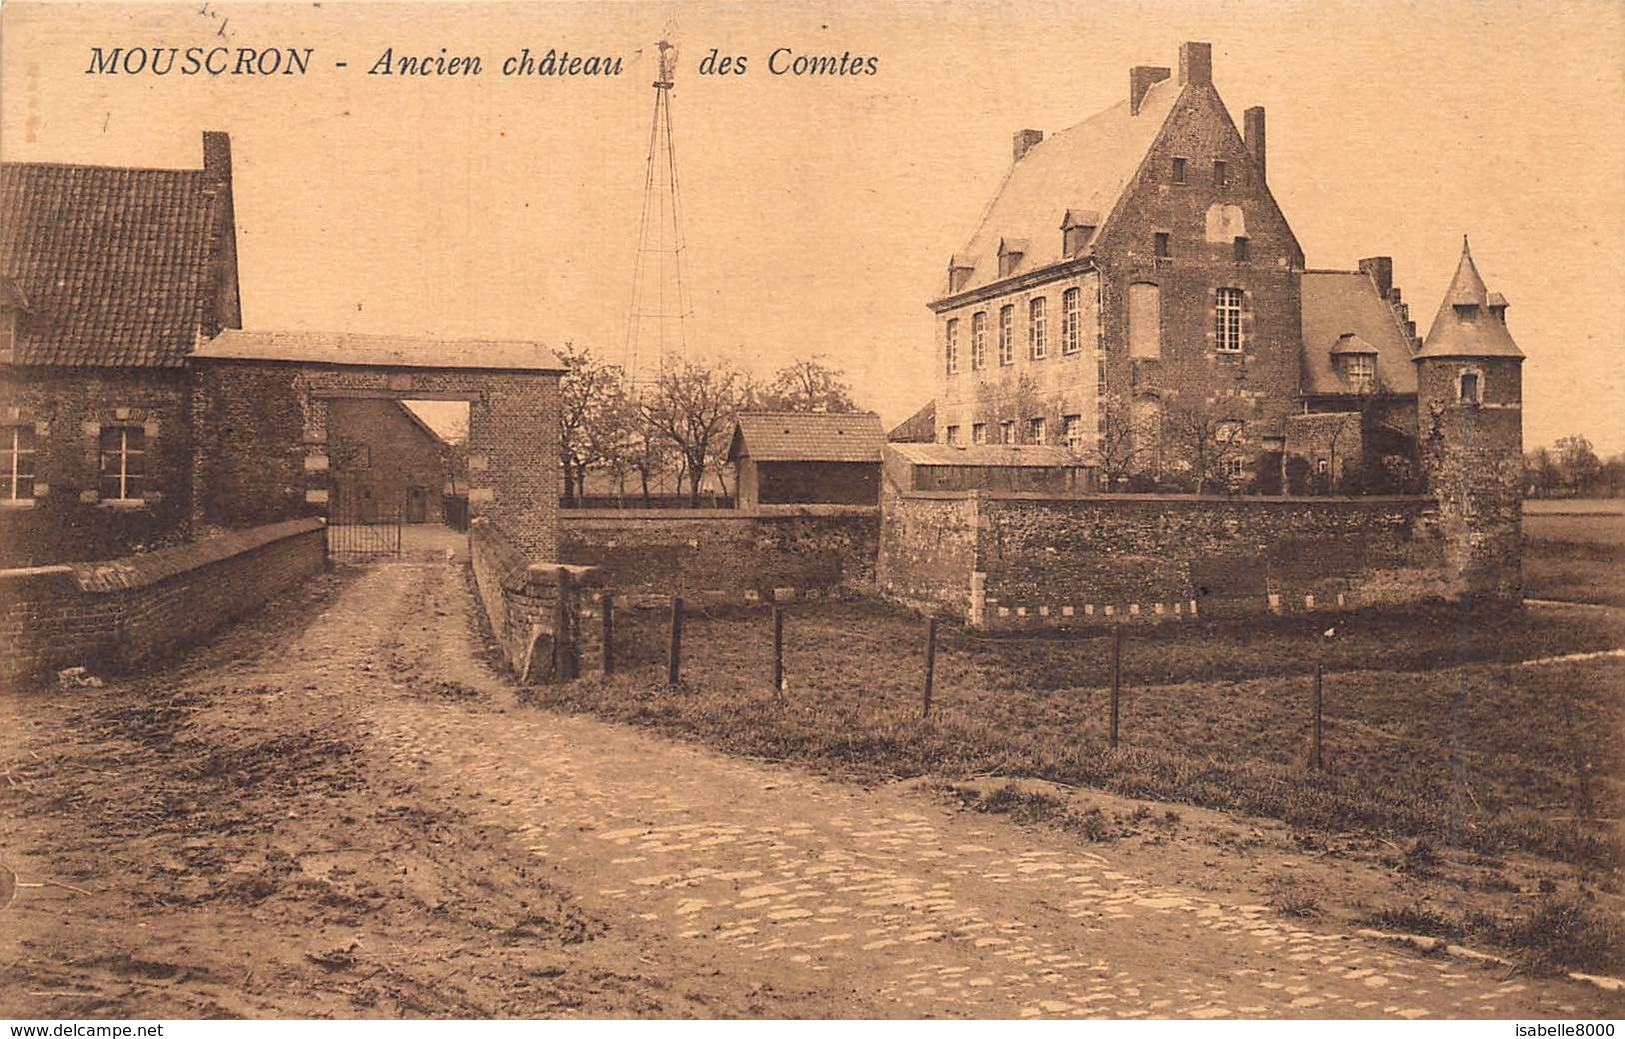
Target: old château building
[(1135, 292)]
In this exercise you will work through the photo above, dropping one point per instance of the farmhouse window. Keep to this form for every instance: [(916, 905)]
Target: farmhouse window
[(1007, 335), (951, 335), (1007, 431), (1227, 320), (1036, 432), (17, 463), (1071, 321), (1234, 468), (123, 463), (978, 340), (1037, 328), (978, 433), (953, 434)]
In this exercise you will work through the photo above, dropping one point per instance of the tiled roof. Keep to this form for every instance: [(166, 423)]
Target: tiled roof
[(234, 344), (1346, 303), (1000, 456), (1464, 326), (1083, 168), (796, 436), (918, 428), (113, 263)]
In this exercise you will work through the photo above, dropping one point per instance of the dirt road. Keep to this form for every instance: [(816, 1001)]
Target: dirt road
[(338, 810)]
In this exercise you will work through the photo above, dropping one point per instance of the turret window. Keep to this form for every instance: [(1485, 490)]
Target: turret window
[(1469, 392)]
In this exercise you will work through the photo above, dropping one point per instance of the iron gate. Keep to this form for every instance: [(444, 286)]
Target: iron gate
[(360, 529)]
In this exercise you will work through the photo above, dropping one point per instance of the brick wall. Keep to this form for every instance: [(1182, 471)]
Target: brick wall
[(120, 613), (810, 550), (1014, 560), (848, 483), (66, 409), (521, 603)]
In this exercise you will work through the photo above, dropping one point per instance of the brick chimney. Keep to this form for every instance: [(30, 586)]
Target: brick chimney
[(1252, 122), (1140, 79), (1380, 269), (1196, 64), (226, 309), (1024, 141)]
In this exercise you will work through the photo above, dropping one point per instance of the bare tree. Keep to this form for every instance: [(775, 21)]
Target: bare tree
[(1116, 451), (1206, 437), (587, 393), (694, 406), (808, 384)]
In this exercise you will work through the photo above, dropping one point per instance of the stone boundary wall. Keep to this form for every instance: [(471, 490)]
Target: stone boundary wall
[(121, 613), (521, 602), (724, 555), (1017, 560)]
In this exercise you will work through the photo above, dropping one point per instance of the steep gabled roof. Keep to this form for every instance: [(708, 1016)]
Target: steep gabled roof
[(918, 428), (1465, 326), (1346, 303), (114, 264), (1083, 168), (796, 436)]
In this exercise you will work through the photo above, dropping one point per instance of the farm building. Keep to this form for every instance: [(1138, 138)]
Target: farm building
[(784, 458), (992, 467), (386, 460)]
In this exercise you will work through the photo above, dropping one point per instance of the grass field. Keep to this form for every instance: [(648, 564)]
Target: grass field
[(1481, 754), (1576, 555)]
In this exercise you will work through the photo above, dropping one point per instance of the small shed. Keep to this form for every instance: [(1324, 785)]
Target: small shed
[(987, 467), (807, 458)]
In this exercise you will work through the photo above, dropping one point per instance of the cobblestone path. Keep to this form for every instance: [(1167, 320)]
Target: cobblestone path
[(879, 901)]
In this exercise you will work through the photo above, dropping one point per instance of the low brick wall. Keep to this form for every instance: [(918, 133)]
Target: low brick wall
[(1013, 560), (521, 602), (797, 551), (120, 613)]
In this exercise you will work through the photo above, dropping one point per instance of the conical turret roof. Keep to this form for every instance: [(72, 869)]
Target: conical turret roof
[(1464, 326)]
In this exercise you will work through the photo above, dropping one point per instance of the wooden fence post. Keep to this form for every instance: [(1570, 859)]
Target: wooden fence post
[(1117, 680), (1314, 739), (607, 603), (930, 663), (778, 650), (674, 654), (564, 647)]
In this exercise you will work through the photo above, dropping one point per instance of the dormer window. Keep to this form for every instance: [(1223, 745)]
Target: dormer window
[(1011, 250), (1361, 372), (1077, 227), (960, 268)]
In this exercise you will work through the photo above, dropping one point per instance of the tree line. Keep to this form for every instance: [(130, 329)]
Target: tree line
[(1571, 468), (677, 424)]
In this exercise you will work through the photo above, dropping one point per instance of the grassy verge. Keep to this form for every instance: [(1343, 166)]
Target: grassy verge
[(1558, 933), (1575, 557)]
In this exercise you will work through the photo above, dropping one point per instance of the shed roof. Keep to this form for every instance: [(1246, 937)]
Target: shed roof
[(379, 351), (1000, 456), (1339, 304), (800, 436), (1082, 168), (112, 264)]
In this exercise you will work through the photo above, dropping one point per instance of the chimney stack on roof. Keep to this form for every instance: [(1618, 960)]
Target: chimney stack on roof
[(1140, 79), (1024, 141), (1196, 64), (1252, 122), (1380, 269), (217, 157)]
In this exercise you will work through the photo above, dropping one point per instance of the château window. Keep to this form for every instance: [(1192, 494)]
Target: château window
[(1100, 378), (1221, 174), (1469, 392), (1179, 170), (1362, 372), (1227, 320), (1036, 432), (1071, 321), (1037, 329), (123, 463), (951, 344), (1235, 468), (1242, 255), (978, 433), (1163, 245), (1072, 430), (953, 434), (1007, 431), (1007, 334), (978, 340), (17, 463)]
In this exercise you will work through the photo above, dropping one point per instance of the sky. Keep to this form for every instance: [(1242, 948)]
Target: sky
[(820, 212)]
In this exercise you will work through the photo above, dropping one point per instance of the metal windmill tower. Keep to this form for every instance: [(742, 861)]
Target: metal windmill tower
[(657, 326)]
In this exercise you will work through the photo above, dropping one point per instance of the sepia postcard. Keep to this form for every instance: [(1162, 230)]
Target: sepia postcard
[(815, 510)]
